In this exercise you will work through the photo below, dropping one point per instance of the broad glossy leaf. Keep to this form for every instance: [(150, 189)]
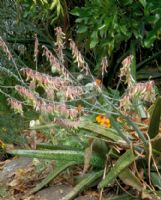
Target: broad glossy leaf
[(75, 11), (94, 39), (82, 29), (151, 37)]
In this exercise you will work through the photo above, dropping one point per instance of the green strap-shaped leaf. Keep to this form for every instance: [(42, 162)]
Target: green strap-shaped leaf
[(136, 128), (155, 119), (64, 155), (106, 132), (130, 179), (95, 128), (55, 172), (124, 161), (57, 147), (87, 181)]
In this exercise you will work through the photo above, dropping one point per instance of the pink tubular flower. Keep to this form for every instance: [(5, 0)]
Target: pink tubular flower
[(27, 94), (15, 105), (55, 62), (79, 58)]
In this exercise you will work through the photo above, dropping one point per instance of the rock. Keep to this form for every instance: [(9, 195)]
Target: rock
[(57, 192), (12, 166)]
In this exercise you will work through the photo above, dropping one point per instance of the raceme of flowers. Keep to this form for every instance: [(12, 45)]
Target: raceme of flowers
[(143, 91), (79, 58), (125, 71), (42, 105), (51, 84), (54, 62), (60, 37)]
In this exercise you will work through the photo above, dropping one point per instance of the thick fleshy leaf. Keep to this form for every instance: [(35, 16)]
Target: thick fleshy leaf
[(55, 172), (95, 128), (87, 181), (57, 147), (130, 179), (99, 130), (87, 156), (136, 128), (64, 155), (123, 162)]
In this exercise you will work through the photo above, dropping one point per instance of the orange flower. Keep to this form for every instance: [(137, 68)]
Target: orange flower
[(98, 82), (106, 123), (101, 119)]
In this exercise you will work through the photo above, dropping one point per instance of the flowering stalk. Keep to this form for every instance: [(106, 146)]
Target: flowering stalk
[(28, 95), (36, 50), (79, 58), (60, 37), (104, 65), (55, 62), (125, 71), (10, 57)]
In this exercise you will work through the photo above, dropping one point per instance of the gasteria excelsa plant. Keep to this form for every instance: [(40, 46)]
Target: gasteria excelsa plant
[(115, 148)]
